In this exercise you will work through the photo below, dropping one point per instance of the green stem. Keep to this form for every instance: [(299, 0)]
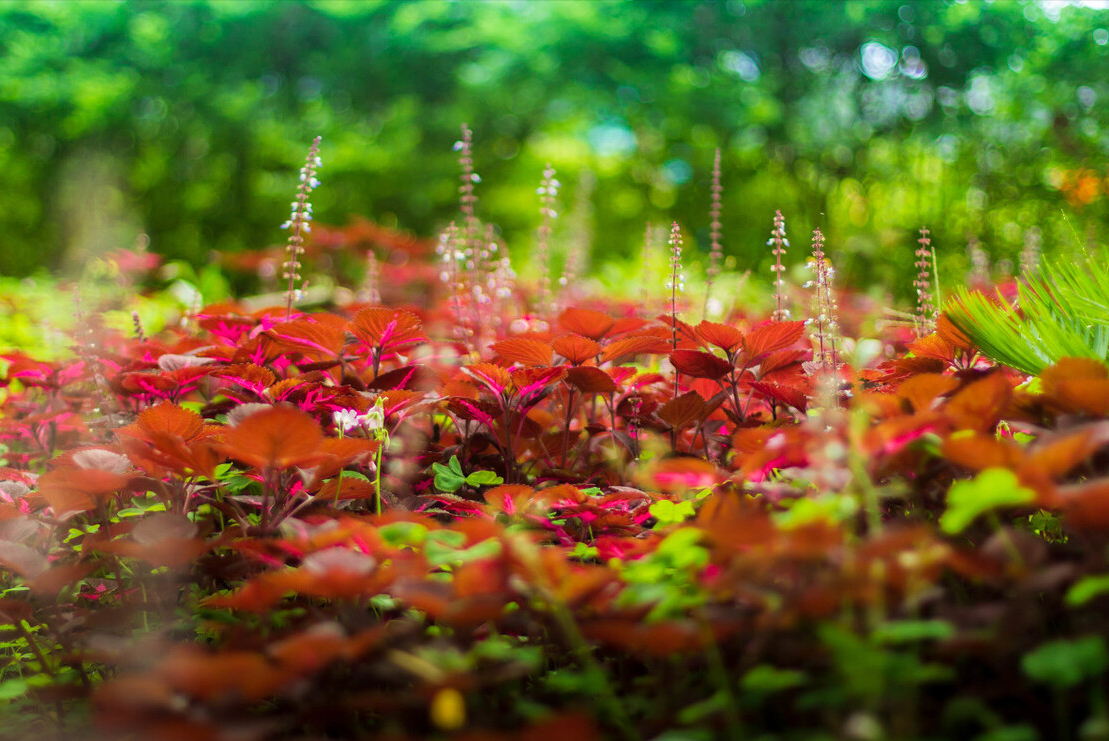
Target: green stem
[(377, 477)]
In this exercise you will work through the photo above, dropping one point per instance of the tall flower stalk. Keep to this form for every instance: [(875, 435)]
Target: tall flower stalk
[(779, 241), (825, 323), (371, 281), (467, 200), (299, 225), (581, 236), (451, 255), (716, 250), (925, 319), (675, 283), (548, 192)]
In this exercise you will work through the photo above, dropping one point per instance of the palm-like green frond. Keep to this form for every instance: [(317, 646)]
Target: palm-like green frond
[(1063, 312)]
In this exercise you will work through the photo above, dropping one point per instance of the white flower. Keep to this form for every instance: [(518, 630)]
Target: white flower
[(375, 418), (346, 419)]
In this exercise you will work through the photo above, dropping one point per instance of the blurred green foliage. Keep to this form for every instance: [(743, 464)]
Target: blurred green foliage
[(186, 121)]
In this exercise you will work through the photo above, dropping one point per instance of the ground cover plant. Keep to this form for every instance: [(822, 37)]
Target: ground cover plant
[(443, 503)]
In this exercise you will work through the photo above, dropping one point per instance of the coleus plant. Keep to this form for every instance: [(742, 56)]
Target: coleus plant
[(346, 523)]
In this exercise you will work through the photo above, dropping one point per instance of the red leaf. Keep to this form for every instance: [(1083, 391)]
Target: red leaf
[(249, 376), (790, 394), (591, 380), (277, 437), (978, 405), (529, 380), (952, 335), (700, 364), (524, 351), (771, 337), (387, 329), (509, 498), (782, 362), (934, 347), (683, 411), (319, 337), (410, 378), (1078, 385), (493, 377), (586, 322), (724, 336), (1086, 506), (980, 451), (920, 391), (576, 349), (635, 345), (69, 490), (684, 473), (167, 418)]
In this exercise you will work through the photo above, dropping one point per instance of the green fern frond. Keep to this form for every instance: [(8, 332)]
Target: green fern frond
[(1063, 312)]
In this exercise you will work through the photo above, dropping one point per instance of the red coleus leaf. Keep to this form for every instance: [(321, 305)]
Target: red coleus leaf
[(650, 639), (524, 351), (166, 418), (978, 405), (795, 394), (686, 335), (922, 390), (629, 347), (1086, 506), (771, 337), (160, 539), (591, 380), (493, 377), (409, 378), (387, 329), (933, 347), (683, 411), (161, 451), (724, 336), (683, 473), (342, 452), (1078, 385), (319, 337), (530, 380), (586, 322), (246, 675), (70, 490), (952, 335), (273, 438), (478, 411), (700, 364), (575, 348), (255, 378), (978, 451), (512, 499), (783, 362)]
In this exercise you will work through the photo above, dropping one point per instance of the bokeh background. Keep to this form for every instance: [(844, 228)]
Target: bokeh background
[(186, 122)]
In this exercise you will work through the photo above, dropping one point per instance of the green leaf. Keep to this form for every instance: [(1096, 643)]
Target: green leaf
[(484, 478), (446, 479), (669, 513), (455, 465), (767, 680), (403, 533), (992, 489), (911, 631), (1064, 664), (13, 688), (1086, 589), (1010, 733), (1064, 313), (697, 712)]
